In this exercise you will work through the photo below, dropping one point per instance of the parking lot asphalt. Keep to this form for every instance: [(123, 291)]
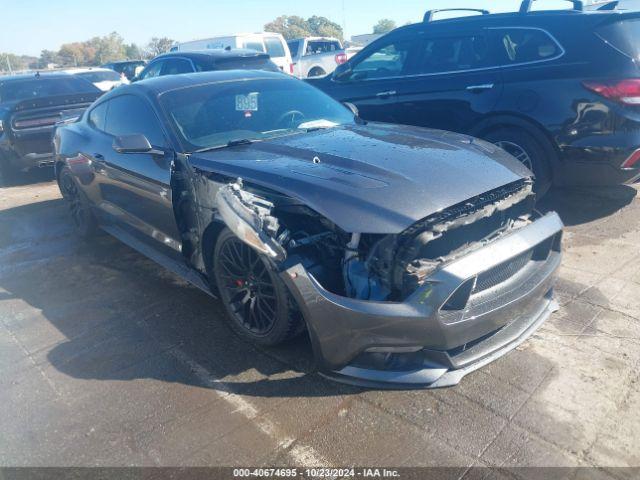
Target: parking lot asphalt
[(108, 360)]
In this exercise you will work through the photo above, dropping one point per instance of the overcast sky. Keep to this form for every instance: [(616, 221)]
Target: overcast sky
[(29, 26)]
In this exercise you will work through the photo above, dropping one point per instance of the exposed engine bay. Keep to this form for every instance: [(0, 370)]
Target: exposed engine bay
[(370, 266)]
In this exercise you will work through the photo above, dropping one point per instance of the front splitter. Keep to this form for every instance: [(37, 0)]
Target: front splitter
[(432, 375)]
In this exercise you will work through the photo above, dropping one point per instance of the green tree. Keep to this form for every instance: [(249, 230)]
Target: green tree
[(384, 25), (323, 27), (156, 46), (47, 57), (107, 49), (297, 27), (77, 54), (132, 51)]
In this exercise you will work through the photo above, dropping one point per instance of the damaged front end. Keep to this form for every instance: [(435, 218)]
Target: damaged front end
[(420, 308)]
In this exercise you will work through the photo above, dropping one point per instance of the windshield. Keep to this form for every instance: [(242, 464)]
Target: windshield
[(17, 90), (212, 115), (100, 76)]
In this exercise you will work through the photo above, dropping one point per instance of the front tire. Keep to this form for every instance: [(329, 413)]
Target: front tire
[(84, 222), (258, 304), (526, 149)]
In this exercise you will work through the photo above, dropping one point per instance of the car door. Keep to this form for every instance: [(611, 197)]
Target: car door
[(377, 77), (454, 82), (136, 187)]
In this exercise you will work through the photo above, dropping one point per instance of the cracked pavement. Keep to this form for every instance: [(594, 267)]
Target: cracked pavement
[(108, 360)]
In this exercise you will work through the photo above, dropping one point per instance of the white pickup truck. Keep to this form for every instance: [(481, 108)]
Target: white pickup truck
[(315, 56)]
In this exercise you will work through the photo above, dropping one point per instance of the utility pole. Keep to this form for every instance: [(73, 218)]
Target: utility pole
[(344, 21)]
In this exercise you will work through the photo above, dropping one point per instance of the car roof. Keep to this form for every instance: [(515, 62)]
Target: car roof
[(533, 18), (77, 70), (124, 62), (328, 39), (158, 85), (215, 54), (34, 76)]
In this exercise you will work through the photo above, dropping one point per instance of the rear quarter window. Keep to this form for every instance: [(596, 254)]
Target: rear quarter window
[(274, 47), (293, 48), (523, 45), (251, 45), (624, 36)]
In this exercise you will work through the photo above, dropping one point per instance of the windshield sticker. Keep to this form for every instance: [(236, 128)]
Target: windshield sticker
[(247, 103)]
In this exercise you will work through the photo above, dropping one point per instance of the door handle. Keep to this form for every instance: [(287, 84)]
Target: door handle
[(98, 156), (386, 94), (480, 88)]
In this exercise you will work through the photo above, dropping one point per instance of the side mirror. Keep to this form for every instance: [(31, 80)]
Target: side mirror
[(342, 71), (136, 143)]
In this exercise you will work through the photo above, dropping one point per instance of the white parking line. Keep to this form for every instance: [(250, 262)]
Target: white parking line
[(302, 455)]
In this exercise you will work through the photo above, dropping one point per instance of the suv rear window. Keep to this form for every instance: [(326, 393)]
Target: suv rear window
[(274, 47), (524, 45), (623, 36)]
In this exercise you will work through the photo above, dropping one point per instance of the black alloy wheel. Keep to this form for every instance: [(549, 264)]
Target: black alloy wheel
[(81, 215), (256, 300)]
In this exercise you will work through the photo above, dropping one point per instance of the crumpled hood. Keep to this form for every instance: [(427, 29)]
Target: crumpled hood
[(374, 178)]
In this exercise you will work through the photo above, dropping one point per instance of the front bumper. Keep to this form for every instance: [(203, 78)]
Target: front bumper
[(505, 288)]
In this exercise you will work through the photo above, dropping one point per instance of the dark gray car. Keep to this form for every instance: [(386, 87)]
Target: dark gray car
[(410, 256)]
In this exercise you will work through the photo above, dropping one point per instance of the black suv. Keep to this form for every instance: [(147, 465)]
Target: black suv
[(559, 90), (174, 63)]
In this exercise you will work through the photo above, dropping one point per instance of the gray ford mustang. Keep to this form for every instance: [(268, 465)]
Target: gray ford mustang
[(409, 256)]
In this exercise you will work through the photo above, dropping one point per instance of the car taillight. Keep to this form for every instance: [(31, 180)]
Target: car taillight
[(625, 91), (291, 68), (632, 160), (341, 58)]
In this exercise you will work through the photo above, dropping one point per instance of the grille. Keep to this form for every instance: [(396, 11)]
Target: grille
[(502, 272)]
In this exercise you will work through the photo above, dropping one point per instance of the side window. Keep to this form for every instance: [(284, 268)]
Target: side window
[(175, 66), (129, 115), (153, 70), (451, 54), (274, 46), (523, 45), (389, 60), (253, 45), (293, 48), (201, 65), (98, 115)]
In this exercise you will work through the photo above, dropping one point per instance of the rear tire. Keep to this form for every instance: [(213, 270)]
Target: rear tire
[(84, 222), (316, 72), (258, 304), (526, 149), (7, 173)]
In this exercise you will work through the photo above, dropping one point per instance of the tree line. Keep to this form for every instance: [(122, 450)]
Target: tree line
[(112, 47), (92, 52), (292, 26)]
